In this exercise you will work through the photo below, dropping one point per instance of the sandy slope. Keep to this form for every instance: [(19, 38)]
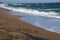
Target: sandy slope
[(14, 29)]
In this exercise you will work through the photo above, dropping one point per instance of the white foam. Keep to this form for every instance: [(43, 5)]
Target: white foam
[(30, 11), (39, 13)]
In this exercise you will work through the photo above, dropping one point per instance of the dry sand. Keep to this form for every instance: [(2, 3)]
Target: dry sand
[(12, 25)]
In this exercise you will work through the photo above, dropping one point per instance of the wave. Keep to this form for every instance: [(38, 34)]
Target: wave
[(31, 11), (51, 24)]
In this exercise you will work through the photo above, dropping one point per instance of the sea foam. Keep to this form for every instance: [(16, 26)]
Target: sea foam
[(31, 11), (49, 21)]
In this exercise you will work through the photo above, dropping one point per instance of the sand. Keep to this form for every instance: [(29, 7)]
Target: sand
[(25, 31)]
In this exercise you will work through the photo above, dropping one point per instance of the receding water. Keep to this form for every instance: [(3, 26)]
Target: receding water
[(45, 15)]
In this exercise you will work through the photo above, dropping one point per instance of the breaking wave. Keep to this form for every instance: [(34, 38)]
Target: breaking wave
[(49, 21), (32, 11)]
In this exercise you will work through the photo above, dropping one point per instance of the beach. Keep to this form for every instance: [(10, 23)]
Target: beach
[(16, 29)]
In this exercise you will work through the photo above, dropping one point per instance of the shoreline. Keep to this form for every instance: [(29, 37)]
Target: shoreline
[(14, 24), (4, 10), (30, 23)]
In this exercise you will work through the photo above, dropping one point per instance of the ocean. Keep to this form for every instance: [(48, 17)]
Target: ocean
[(44, 15)]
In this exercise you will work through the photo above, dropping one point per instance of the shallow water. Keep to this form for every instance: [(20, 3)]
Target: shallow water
[(51, 24), (49, 20), (48, 23)]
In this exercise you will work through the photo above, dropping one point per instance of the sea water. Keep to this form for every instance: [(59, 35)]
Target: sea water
[(45, 15)]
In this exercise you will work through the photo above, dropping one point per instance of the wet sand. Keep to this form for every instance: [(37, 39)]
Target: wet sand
[(14, 25)]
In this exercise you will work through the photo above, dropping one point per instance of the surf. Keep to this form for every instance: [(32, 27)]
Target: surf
[(31, 11), (48, 20)]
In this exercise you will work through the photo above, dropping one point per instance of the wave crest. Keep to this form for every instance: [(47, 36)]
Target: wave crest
[(31, 11)]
